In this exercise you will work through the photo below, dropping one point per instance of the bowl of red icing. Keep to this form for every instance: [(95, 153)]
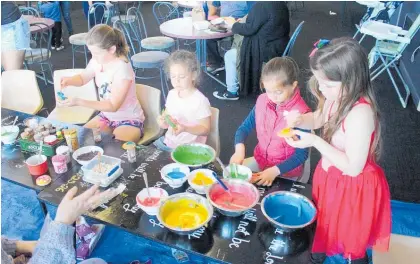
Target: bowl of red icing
[(150, 204), (242, 197)]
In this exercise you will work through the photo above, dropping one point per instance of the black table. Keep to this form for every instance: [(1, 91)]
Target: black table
[(13, 167), (246, 239)]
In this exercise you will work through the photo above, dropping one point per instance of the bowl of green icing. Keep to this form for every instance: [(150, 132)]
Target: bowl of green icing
[(193, 155)]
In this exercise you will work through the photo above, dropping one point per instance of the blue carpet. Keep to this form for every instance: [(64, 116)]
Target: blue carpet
[(22, 218)]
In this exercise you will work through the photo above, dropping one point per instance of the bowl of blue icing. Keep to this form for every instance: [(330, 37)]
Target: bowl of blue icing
[(288, 211)]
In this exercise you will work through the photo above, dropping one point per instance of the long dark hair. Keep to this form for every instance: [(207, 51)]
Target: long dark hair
[(344, 60)]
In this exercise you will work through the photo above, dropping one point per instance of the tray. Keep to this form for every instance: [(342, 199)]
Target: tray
[(32, 146)]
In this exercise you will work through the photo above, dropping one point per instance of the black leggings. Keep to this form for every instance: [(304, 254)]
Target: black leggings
[(56, 35)]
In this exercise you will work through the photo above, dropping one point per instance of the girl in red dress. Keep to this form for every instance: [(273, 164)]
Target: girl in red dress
[(349, 188)]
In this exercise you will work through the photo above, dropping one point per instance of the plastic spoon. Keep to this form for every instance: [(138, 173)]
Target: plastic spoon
[(14, 122), (221, 165), (223, 186), (146, 182), (41, 143)]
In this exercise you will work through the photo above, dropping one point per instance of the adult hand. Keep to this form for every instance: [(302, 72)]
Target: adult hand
[(72, 207), (237, 158), (306, 140), (266, 177)]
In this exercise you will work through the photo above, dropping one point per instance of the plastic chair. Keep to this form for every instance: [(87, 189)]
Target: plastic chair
[(99, 13), (74, 114), (402, 249), (149, 99), (391, 41), (164, 11), (289, 47), (145, 59), (30, 11), (40, 53), (20, 91), (213, 139), (376, 11), (140, 34)]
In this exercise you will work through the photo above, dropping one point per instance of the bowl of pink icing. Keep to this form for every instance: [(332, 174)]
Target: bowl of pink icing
[(242, 196), (150, 205)]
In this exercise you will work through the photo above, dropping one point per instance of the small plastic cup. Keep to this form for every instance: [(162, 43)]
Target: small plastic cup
[(131, 151)]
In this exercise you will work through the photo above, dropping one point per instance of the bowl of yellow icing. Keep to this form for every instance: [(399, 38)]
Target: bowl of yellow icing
[(201, 179), (184, 213)]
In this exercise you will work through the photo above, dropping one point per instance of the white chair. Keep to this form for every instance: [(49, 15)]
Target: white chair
[(213, 139), (74, 114), (402, 249), (391, 41), (149, 99), (20, 91)]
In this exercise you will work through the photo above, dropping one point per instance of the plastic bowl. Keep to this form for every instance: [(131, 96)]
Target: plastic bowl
[(193, 155), (201, 189), (36, 165), (171, 181), (83, 150), (238, 189), (155, 193), (180, 202), (244, 173), (288, 210), (9, 134)]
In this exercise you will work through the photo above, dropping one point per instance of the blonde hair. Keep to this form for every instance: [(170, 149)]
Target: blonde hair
[(345, 61), (104, 37), (284, 69), (186, 59)]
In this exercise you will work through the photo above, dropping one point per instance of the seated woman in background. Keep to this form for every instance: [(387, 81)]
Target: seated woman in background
[(266, 34), (121, 113)]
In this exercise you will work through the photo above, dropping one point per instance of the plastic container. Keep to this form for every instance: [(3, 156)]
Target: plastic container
[(60, 164), (201, 188), (65, 151), (108, 166), (158, 196), (110, 170), (9, 134), (175, 182), (37, 166)]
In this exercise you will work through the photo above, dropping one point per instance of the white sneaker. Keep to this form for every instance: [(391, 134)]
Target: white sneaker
[(53, 47), (60, 48)]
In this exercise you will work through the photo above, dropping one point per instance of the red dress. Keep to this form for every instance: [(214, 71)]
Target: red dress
[(354, 213)]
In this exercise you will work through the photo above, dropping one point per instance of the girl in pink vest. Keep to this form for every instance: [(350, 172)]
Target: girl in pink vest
[(272, 155), (349, 188)]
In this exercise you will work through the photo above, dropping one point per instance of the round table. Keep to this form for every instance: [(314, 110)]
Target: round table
[(32, 20), (182, 28), (188, 4)]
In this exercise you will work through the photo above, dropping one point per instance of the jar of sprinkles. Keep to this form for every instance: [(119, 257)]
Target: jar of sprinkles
[(60, 164)]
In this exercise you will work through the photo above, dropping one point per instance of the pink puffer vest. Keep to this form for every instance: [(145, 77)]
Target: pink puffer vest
[(271, 149)]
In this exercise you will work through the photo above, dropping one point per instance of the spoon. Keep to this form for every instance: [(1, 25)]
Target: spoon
[(223, 186), (14, 122), (41, 143), (146, 182), (221, 165)]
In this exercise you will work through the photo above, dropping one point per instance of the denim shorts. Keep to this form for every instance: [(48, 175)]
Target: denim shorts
[(16, 35)]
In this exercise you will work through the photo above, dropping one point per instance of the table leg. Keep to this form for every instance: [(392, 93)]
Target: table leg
[(202, 58)]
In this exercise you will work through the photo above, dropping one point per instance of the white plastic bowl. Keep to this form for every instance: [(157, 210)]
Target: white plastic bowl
[(86, 150), (201, 189), (154, 192), (12, 134), (244, 170), (174, 183)]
